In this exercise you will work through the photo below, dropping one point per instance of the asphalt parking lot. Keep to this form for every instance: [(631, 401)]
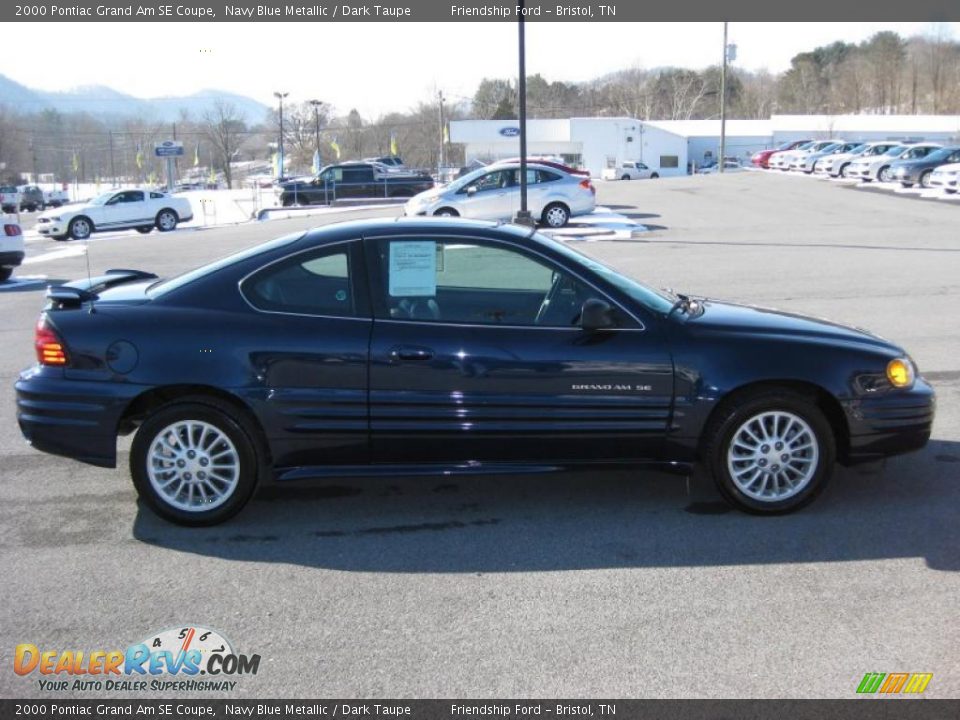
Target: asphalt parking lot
[(576, 585)]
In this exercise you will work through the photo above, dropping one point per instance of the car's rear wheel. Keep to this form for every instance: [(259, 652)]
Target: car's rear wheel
[(5, 274), (446, 212), (145, 229), (194, 463), (80, 228), (770, 452), (654, 176), (925, 178), (625, 177), (167, 220), (555, 215)]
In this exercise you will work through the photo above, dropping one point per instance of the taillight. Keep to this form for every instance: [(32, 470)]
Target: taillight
[(50, 349), (587, 185), (10, 230)]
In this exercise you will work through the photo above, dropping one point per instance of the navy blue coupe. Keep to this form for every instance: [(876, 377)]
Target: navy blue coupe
[(422, 346)]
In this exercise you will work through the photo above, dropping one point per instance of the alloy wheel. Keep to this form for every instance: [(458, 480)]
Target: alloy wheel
[(773, 456)]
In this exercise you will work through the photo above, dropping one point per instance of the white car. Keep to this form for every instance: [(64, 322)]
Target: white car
[(493, 193), (11, 248), (630, 170), (138, 209), (946, 177)]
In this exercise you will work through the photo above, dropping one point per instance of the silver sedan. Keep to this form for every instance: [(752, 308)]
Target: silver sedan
[(493, 193)]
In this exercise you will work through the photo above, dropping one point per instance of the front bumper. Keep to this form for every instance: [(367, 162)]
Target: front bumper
[(73, 418), (945, 181), (890, 423), (52, 228), (11, 258)]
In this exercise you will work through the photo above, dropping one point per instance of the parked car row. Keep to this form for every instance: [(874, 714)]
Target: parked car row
[(30, 198), (923, 164)]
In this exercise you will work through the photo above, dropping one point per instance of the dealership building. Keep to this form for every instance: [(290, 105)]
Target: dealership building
[(675, 147)]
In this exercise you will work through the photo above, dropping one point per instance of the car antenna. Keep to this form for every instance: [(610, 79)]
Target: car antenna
[(86, 253)]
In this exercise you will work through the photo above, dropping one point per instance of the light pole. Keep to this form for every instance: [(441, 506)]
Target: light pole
[(316, 119), (723, 104), (523, 216), (280, 96)]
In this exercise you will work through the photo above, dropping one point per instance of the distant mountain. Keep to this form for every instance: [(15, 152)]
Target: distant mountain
[(104, 102)]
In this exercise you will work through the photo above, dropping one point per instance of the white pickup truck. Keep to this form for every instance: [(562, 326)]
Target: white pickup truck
[(630, 170), (9, 199)]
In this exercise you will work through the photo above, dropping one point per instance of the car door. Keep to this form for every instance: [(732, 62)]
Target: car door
[(308, 341), (127, 208), (476, 354), (490, 197)]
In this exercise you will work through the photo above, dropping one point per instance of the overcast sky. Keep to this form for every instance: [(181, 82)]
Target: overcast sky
[(378, 67)]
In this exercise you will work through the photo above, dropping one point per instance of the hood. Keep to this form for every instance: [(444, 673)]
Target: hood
[(72, 207), (750, 320)]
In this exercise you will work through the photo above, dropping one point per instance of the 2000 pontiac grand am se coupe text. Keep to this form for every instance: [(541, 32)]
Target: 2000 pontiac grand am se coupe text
[(425, 346)]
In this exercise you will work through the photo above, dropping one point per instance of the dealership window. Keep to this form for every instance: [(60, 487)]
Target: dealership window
[(477, 284), (315, 283), (669, 161)]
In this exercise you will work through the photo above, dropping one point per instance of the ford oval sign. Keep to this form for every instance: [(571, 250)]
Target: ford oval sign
[(510, 131)]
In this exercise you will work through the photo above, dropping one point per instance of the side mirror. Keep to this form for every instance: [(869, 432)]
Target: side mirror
[(596, 315), (472, 190)]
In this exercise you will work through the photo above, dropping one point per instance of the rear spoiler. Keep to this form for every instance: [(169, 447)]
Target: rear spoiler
[(75, 293)]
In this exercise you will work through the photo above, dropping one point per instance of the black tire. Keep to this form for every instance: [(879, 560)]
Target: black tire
[(227, 421), (654, 176), (287, 201), (843, 170), (446, 212), (949, 191), (906, 184), (925, 178), (883, 174), (166, 220), (734, 415), (145, 229), (625, 177), (80, 228), (5, 274), (555, 215)]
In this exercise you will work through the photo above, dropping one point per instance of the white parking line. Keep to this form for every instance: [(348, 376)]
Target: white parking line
[(72, 251)]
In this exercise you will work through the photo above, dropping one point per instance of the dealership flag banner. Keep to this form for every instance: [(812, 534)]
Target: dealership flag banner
[(316, 161), (393, 144), (336, 147)]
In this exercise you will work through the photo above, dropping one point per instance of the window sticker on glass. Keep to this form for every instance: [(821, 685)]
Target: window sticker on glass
[(413, 269)]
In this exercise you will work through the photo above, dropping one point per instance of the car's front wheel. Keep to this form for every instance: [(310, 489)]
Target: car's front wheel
[(925, 178), (80, 228), (446, 212), (771, 452), (555, 215), (884, 175), (167, 220), (194, 463)]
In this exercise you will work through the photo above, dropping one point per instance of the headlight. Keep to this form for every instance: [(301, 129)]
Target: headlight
[(900, 372)]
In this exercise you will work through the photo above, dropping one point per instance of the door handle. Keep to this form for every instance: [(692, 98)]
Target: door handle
[(410, 353)]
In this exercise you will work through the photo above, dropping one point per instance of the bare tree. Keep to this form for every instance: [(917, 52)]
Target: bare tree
[(224, 129)]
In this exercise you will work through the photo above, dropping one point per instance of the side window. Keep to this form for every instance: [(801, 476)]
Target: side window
[(477, 284), (546, 176), (493, 181), (134, 196), (156, 196), (314, 283)]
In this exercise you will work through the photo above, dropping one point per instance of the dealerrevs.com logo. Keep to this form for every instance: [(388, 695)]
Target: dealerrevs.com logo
[(187, 659)]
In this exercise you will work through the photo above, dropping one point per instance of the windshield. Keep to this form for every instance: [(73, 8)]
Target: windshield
[(805, 146), (162, 287), (896, 150), (830, 148), (102, 199), (859, 149), (646, 296)]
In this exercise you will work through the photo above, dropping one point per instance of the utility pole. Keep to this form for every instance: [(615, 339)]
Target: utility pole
[(723, 104), (113, 167), (176, 162), (523, 216), (440, 164), (280, 96), (316, 119)]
